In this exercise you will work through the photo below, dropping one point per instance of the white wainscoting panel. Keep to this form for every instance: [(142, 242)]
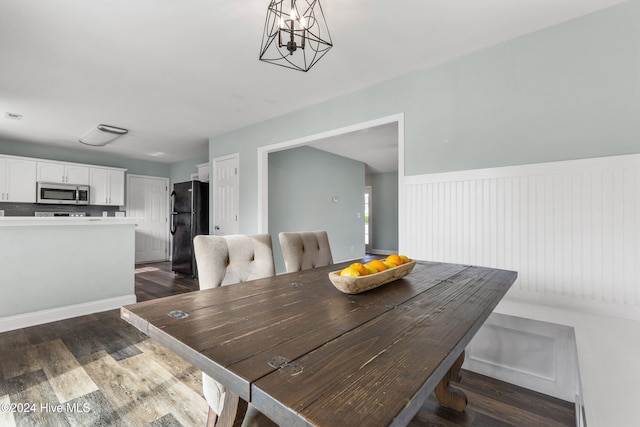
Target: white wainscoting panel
[(570, 229), (540, 356)]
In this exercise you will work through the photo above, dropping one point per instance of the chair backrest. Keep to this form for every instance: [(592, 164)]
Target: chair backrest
[(224, 260), (304, 250)]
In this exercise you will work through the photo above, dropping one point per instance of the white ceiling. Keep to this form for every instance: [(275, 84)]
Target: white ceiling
[(377, 147), (178, 72)]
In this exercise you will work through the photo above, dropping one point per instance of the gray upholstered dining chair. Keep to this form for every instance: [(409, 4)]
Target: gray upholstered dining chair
[(304, 250), (221, 261)]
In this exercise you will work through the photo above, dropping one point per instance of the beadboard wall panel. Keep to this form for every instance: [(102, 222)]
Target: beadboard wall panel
[(571, 229)]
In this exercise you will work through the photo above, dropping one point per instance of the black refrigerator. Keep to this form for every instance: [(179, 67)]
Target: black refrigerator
[(189, 217)]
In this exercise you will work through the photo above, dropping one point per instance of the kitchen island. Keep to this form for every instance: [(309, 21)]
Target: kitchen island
[(54, 268)]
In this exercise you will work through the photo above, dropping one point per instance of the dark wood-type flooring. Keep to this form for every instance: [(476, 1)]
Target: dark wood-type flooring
[(97, 370)]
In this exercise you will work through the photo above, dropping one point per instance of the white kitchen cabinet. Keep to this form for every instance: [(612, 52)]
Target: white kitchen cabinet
[(203, 172), (63, 173), (17, 180), (107, 187)]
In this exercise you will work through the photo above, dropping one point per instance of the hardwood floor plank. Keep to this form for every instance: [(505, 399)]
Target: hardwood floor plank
[(511, 415), (174, 364), (111, 319), (168, 391), (157, 281), (94, 336), (94, 409), (518, 396), (33, 388), (66, 376), (167, 421), (54, 330), (17, 354), (124, 389)]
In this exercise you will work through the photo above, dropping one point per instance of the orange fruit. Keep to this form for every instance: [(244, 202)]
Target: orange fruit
[(350, 271), (360, 268), (395, 259), (378, 265)]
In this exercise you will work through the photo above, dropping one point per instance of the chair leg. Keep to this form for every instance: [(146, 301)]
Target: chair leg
[(211, 418)]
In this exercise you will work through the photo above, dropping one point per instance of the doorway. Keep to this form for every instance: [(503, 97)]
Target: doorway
[(148, 198), (263, 159)]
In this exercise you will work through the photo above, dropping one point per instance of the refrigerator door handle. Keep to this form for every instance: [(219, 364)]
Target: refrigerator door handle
[(172, 225), (173, 201)]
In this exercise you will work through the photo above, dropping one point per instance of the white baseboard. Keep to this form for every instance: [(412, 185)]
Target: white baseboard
[(382, 252), (51, 315)]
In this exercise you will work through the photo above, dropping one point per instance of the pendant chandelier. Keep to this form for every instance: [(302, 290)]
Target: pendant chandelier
[(295, 34)]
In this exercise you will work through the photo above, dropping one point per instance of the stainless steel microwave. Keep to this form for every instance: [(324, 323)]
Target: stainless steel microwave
[(62, 194)]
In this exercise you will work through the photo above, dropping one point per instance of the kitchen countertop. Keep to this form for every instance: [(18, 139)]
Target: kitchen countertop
[(32, 221)]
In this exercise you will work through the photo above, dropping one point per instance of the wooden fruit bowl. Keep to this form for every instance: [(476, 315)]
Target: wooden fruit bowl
[(355, 285)]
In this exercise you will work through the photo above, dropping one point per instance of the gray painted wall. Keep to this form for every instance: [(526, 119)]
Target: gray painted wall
[(302, 184), (567, 92), (384, 209), (181, 172)]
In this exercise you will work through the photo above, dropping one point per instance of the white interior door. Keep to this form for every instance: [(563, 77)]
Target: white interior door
[(147, 198), (226, 201)]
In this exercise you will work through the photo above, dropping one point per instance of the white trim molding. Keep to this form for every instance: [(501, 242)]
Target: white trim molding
[(60, 313)]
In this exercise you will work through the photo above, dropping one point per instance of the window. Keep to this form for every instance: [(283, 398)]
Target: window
[(367, 219)]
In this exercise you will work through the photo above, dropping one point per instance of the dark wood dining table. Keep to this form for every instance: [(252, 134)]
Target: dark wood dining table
[(305, 354)]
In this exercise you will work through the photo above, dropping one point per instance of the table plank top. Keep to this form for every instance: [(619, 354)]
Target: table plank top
[(305, 353)]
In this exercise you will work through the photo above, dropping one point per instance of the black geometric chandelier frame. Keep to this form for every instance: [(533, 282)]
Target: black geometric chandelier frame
[(295, 34)]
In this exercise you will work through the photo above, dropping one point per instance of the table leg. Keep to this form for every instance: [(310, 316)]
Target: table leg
[(449, 396), (233, 411)]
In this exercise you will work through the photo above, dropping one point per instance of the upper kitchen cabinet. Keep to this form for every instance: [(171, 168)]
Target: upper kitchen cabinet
[(107, 186), (63, 173), (17, 180)]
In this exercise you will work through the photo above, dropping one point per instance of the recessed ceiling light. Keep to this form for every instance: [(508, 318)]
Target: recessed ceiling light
[(13, 116)]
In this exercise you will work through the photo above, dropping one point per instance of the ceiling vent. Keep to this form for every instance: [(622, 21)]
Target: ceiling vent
[(13, 116)]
